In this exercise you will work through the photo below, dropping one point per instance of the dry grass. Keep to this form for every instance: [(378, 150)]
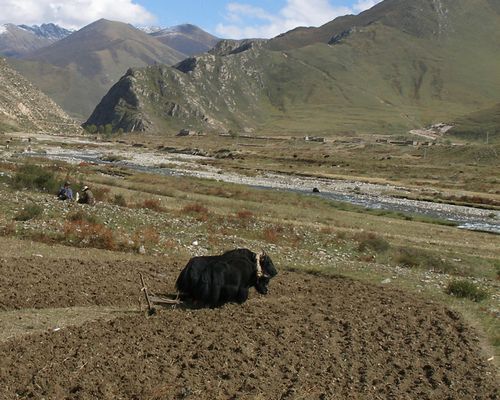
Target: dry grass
[(152, 204), (101, 193), (9, 229), (297, 226), (273, 234), (245, 215), (415, 257), (371, 241), (119, 200), (147, 236), (86, 234), (197, 210)]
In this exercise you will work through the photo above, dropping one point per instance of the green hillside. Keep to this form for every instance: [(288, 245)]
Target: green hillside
[(482, 126), (401, 65), (78, 70)]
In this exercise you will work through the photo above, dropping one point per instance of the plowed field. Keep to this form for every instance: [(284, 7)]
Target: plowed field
[(311, 337)]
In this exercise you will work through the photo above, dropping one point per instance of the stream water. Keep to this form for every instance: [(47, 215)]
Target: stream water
[(372, 196)]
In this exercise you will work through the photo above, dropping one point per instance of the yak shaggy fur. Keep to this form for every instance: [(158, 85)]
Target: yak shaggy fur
[(215, 280)]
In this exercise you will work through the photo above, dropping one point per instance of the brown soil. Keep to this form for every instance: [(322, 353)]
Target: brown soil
[(311, 337)]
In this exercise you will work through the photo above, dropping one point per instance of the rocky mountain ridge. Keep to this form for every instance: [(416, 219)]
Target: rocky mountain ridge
[(78, 70), (19, 40), (342, 77), (24, 107), (188, 39), (49, 31)]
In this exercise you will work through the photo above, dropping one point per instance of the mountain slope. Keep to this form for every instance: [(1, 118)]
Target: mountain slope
[(482, 125), (16, 41), (24, 107), (400, 65), (19, 40), (50, 31), (79, 69), (423, 19), (187, 39)]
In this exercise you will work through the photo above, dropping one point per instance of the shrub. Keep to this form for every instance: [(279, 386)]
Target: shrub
[(407, 257), (242, 218), (412, 257), (100, 193), (272, 234), (86, 234), (466, 289), (29, 212), (146, 236), (119, 200), (83, 216), (198, 211), (92, 129), (152, 204), (9, 229), (45, 237), (195, 208), (112, 158), (369, 240), (31, 176), (342, 235), (245, 215)]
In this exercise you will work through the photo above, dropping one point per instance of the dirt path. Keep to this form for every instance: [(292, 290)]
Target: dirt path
[(312, 337)]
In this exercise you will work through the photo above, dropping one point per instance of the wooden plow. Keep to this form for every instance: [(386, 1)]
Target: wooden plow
[(152, 299)]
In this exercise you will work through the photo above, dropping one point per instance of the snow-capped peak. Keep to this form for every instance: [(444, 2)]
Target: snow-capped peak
[(149, 29)]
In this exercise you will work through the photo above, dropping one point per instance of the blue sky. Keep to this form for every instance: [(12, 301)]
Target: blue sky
[(224, 18)]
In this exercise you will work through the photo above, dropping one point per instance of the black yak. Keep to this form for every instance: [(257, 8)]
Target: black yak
[(214, 280)]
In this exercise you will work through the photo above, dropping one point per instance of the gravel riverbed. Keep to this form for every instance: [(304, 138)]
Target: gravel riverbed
[(369, 195)]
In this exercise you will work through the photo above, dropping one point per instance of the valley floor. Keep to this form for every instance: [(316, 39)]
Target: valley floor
[(312, 336), (359, 310)]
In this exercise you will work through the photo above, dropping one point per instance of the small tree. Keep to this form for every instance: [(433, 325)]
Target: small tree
[(92, 129), (108, 129)]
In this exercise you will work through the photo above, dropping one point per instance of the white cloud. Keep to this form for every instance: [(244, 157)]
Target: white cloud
[(246, 21), (72, 13), (363, 5)]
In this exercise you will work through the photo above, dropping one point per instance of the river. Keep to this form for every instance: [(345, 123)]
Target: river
[(368, 195)]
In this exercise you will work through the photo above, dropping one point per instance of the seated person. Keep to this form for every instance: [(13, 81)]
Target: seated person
[(87, 196), (65, 192)]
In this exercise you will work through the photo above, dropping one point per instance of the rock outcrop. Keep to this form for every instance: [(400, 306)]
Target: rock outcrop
[(25, 108), (401, 65)]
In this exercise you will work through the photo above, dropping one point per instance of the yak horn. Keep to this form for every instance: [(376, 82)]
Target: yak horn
[(260, 274)]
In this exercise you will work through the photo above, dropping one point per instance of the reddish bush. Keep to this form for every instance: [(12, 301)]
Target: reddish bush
[(147, 236), (9, 229), (272, 234), (245, 215), (86, 234), (199, 211), (153, 204), (100, 193), (195, 208)]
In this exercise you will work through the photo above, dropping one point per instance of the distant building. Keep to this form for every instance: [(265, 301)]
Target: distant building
[(187, 132), (315, 139)]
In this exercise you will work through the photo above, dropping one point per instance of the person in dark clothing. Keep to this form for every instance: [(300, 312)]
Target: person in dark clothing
[(65, 192), (87, 196)]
